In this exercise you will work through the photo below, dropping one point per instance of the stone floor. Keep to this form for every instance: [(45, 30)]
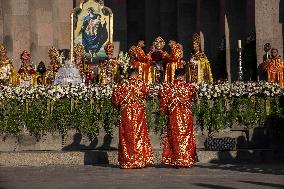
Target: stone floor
[(223, 176), (93, 157)]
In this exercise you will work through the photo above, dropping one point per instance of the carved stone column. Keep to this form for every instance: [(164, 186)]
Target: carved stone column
[(16, 28), (268, 26)]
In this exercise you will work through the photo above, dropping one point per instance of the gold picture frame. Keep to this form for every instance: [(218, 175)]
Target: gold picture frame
[(91, 26)]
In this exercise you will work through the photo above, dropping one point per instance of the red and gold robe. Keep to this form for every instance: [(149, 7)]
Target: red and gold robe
[(134, 150), (272, 70), (142, 62), (173, 61), (179, 141), (281, 73)]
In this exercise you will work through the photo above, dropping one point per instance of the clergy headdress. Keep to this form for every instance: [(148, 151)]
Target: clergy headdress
[(159, 43), (196, 39)]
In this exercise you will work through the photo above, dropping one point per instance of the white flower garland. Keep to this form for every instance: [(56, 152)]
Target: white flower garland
[(84, 92)]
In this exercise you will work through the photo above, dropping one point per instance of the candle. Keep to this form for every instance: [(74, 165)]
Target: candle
[(72, 37), (239, 44)]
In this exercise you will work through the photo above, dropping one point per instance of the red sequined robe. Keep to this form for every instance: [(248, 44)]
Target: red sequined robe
[(141, 62), (173, 61), (134, 149), (179, 141), (275, 69)]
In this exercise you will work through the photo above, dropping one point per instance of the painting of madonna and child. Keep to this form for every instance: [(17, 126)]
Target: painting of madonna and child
[(93, 28)]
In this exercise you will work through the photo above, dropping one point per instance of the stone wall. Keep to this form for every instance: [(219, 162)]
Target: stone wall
[(35, 25), (16, 27), (257, 138), (269, 20), (1, 21)]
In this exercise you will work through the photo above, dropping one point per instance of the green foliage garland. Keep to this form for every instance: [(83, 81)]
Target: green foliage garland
[(41, 116)]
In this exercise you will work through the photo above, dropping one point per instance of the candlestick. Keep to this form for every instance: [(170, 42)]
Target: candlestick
[(267, 56), (239, 43), (266, 49), (240, 72), (72, 38)]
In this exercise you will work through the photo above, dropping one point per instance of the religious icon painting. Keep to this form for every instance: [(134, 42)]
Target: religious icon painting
[(93, 28)]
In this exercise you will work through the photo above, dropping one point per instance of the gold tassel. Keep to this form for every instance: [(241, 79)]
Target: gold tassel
[(267, 105), (252, 98), (226, 103), (92, 104), (75, 103), (72, 104), (27, 106), (51, 106), (48, 106)]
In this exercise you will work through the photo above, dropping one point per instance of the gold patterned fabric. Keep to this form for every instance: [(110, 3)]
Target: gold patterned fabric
[(179, 141), (108, 71), (200, 73), (53, 66), (82, 64), (173, 61), (7, 72), (134, 150), (142, 62)]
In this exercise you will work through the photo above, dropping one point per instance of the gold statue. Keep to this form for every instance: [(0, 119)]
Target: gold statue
[(27, 74), (200, 71), (82, 64), (7, 72), (54, 66), (109, 67)]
